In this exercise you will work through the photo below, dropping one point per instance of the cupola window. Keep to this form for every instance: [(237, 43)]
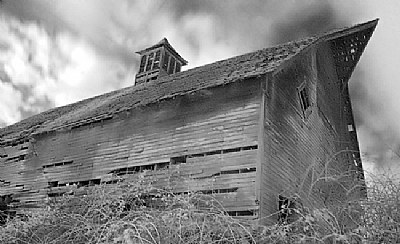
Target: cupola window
[(158, 60)]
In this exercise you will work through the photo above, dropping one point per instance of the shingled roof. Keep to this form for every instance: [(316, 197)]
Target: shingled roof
[(219, 73)]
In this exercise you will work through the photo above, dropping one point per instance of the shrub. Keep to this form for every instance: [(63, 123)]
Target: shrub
[(132, 211), (127, 212)]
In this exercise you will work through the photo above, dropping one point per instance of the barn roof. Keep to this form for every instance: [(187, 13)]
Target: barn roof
[(245, 66)]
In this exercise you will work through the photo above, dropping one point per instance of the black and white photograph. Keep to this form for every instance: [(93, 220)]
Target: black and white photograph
[(199, 121)]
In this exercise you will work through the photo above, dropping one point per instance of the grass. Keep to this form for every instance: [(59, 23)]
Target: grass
[(132, 211), (127, 212)]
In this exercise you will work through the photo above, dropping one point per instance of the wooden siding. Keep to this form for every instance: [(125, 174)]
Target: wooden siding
[(214, 130), (301, 147)]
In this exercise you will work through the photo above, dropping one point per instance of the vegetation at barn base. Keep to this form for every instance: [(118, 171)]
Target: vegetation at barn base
[(131, 211)]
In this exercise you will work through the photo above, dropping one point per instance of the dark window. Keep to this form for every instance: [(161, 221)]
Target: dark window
[(178, 160), (148, 167), (288, 209), (171, 65), (165, 61), (248, 170), (241, 213), (142, 63), (83, 183), (156, 64), (53, 183), (149, 61), (94, 182), (304, 98), (163, 165), (177, 67)]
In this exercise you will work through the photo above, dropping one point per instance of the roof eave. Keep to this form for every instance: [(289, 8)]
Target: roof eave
[(332, 35)]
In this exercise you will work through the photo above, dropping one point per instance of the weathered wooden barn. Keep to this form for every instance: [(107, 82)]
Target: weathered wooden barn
[(250, 130)]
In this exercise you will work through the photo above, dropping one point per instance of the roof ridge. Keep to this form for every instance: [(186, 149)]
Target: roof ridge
[(250, 64)]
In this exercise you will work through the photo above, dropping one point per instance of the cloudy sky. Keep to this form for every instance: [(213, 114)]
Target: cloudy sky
[(55, 52)]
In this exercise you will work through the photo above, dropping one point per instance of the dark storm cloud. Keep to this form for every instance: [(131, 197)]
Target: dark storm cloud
[(241, 25), (185, 7), (36, 11), (45, 13), (306, 21), (250, 25)]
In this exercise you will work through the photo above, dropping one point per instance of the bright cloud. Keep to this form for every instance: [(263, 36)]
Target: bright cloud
[(45, 70), (10, 100)]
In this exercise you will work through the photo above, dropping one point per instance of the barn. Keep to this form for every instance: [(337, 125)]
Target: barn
[(252, 130)]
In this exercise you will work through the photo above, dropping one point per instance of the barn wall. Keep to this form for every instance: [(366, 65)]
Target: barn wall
[(207, 140), (302, 147)]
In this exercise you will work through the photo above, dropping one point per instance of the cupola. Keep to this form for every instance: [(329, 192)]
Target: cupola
[(158, 60)]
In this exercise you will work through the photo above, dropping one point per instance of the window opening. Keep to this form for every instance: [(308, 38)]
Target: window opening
[(55, 194), (219, 191), (198, 155), (304, 98), (53, 183), (142, 63), (93, 182), (148, 167), (156, 64), (16, 158), (162, 166), (178, 160), (241, 213), (177, 67), (133, 169), (112, 182), (171, 65), (247, 170), (149, 61), (165, 61), (58, 164), (230, 150), (228, 172), (83, 183), (181, 160), (5, 208), (287, 209), (249, 148), (213, 152)]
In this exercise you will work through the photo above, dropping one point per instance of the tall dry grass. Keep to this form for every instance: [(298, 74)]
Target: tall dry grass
[(132, 211)]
